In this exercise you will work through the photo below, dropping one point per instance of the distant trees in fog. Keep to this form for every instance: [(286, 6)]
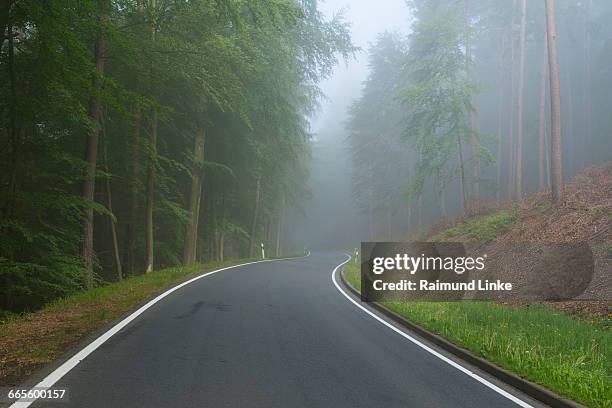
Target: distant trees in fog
[(475, 105)]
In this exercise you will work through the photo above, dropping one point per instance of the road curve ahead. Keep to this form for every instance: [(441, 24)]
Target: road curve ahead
[(272, 334)]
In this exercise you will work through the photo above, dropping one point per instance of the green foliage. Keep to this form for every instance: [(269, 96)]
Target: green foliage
[(542, 345), (380, 168), (437, 96), (483, 228), (246, 72)]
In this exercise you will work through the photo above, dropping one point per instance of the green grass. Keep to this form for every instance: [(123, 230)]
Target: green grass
[(571, 357), (352, 274), (138, 288), (482, 228)]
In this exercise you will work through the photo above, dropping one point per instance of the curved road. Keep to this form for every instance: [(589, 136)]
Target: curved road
[(272, 334)]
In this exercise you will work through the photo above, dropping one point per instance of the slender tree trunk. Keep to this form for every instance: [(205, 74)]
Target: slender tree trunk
[(135, 176), (542, 122), (278, 237), (150, 192), (215, 240), (556, 154), (152, 162), (371, 223), (521, 90), (441, 196), (255, 216), (388, 223), (109, 206), (91, 147), (587, 76), (211, 230), (191, 231), (131, 228), (420, 222), (500, 106), (222, 246), (569, 113), (223, 227), (474, 142), (279, 227), (370, 220), (15, 131), (15, 143), (511, 145), (464, 203), (267, 229)]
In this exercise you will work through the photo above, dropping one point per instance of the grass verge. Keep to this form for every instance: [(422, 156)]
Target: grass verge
[(571, 357), (482, 228), (29, 341)]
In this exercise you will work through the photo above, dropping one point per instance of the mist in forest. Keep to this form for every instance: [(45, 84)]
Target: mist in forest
[(446, 110), (141, 135), (329, 219), (138, 135)]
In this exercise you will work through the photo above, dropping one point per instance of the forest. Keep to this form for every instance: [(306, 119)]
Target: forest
[(140, 134), (482, 103), (214, 188)]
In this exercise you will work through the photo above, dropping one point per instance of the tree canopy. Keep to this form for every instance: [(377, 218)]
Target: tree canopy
[(186, 111)]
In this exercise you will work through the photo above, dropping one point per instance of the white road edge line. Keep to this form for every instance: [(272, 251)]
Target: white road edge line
[(427, 348), (72, 362)]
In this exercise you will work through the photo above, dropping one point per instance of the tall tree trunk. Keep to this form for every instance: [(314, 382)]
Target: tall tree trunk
[(387, 223), (279, 228), (191, 231), (542, 122), (151, 163), (109, 206), (587, 76), (474, 142), (91, 146), (150, 192), (511, 145), (440, 187), (252, 238), (500, 106), (267, 229), (569, 124), (13, 131), (222, 246), (409, 216), (221, 250), (521, 90), (134, 182), (556, 144), (133, 219), (420, 222), (464, 203)]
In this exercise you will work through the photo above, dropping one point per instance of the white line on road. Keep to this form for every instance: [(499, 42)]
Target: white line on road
[(425, 347), (62, 370)]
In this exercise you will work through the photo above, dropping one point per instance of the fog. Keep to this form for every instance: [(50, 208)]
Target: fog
[(329, 219), (382, 168)]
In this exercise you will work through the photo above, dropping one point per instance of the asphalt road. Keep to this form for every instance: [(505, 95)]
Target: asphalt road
[(274, 334)]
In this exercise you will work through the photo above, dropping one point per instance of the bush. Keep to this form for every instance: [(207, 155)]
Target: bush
[(29, 286)]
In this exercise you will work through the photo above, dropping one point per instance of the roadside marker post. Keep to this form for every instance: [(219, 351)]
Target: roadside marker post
[(263, 251)]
